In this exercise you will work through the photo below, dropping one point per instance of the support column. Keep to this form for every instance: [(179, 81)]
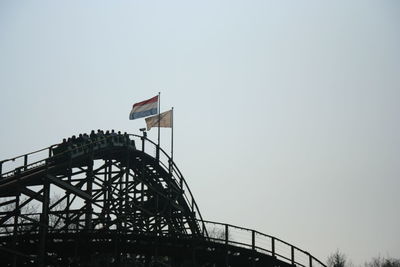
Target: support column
[(67, 208), (44, 222), (127, 169), (226, 245), (120, 202), (89, 188), (15, 232), (292, 255), (25, 162), (253, 247)]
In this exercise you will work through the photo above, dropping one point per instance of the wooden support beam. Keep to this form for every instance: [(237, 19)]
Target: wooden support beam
[(68, 187), (31, 194)]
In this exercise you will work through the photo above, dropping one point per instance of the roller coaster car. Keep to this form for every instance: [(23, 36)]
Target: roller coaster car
[(59, 152), (64, 151), (59, 149)]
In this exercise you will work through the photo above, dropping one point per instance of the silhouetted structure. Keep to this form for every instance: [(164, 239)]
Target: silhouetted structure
[(118, 206)]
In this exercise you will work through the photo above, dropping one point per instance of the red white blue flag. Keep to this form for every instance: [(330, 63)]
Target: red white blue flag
[(144, 108)]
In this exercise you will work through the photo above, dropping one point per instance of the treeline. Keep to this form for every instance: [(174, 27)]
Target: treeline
[(339, 259)]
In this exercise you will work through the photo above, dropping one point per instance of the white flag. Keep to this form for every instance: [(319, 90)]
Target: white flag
[(165, 120)]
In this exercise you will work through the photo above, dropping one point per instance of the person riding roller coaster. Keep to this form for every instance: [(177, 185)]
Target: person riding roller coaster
[(84, 142)]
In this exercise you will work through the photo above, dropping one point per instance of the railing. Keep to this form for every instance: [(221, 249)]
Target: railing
[(39, 158), (12, 166), (176, 174), (216, 232), (251, 239)]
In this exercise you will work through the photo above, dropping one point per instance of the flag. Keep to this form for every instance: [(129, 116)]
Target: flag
[(165, 120), (144, 108)]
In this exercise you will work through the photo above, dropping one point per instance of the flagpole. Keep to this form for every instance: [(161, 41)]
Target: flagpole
[(158, 144), (172, 134)]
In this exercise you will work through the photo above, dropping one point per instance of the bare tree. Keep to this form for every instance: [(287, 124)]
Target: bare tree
[(29, 215), (337, 259), (382, 262), (219, 234), (26, 216), (55, 221), (216, 233)]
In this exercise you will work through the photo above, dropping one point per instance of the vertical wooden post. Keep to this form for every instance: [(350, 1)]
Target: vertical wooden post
[(226, 234), (273, 246), (109, 191), (253, 239), (143, 140), (67, 208), (25, 162), (226, 243), (15, 233), (253, 247), (44, 222), (292, 252), (121, 202), (89, 188), (127, 169)]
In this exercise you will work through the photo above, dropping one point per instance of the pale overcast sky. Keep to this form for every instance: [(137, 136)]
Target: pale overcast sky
[(287, 112)]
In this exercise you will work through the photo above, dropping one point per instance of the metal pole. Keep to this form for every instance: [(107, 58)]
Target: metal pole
[(158, 143), (143, 140), (172, 134)]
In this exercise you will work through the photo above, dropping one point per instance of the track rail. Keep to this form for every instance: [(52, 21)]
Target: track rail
[(40, 158), (219, 233), (266, 244)]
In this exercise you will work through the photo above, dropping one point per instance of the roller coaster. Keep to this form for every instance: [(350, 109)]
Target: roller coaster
[(118, 200)]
